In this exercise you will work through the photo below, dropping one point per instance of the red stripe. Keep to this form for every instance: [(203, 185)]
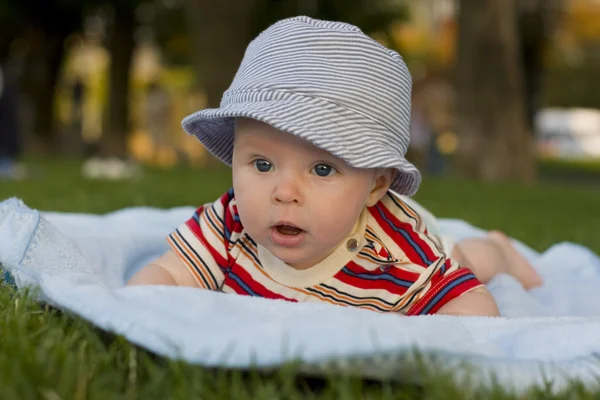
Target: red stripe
[(225, 199), (415, 236), (395, 270), (255, 286), (448, 265), (366, 284), (193, 225), (440, 285), (228, 220), (238, 227), (233, 285), (454, 293), (379, 284), (200, 210), (406, 247), (400, 273)]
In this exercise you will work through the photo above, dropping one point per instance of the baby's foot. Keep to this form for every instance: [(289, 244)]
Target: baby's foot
[(518, 266)]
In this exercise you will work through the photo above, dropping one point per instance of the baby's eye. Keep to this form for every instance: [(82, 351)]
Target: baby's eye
[(324, 170), (262, 165)]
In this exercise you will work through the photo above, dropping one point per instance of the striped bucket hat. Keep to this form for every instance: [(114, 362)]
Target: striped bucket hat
[(326, 82)]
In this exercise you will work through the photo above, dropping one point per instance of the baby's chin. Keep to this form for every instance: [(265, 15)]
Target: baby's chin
[(296, 257)]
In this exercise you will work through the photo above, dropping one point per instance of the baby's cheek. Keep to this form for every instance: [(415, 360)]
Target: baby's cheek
[(335, 221), (248, 207), (252, 223)]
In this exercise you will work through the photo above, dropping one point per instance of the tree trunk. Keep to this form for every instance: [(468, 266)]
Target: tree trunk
[(220, 32), (494, 138), (536, 21), (120, 46), (40, 79)]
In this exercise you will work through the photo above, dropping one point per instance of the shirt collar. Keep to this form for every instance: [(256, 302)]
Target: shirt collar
[(371, 248)]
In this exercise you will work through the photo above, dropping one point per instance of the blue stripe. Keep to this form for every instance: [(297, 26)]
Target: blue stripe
[(250, 240), (226, 233), (354, 297), (249, 250), (441, 294), (191, 248), (197, 217), (443, 267), (383, 277), (340, 301), (406, 237), (242, 284), (375, 259), (223, 231), (401, 207)]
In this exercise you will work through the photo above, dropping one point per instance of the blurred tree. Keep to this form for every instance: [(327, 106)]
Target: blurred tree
[(120, 45), (10, 132), (495, 139), (222, 30), (45, 26), (536, 21), (574, 61), (581, 20), (369, 15), (9, 28), (171, 33)]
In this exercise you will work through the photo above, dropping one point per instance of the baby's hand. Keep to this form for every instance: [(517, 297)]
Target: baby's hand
[(478, 301), (166, 270)]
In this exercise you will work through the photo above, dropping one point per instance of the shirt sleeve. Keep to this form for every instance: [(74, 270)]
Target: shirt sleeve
[(203, 242), (441, 280)]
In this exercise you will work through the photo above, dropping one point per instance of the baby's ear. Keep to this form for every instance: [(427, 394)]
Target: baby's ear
[(381, 184)]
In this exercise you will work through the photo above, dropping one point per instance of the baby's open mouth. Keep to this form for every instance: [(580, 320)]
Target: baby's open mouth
[(288, 230)]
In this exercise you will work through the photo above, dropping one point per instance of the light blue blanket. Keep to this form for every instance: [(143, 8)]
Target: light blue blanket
[(81, 261)]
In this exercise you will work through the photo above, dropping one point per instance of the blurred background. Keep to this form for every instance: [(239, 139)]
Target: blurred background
[(503, 89)]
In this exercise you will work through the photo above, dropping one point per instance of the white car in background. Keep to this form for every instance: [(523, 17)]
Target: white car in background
[(568, 133)]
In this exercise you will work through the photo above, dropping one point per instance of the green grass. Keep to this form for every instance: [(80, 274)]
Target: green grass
[(587, 170), (47, 354)]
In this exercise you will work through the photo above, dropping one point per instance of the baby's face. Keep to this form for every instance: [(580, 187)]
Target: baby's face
[(294, 199)]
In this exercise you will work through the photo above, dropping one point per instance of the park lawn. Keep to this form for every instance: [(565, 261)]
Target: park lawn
[(47, 354)]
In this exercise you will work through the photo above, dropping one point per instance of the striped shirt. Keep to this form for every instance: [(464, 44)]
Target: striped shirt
[(397, 266)]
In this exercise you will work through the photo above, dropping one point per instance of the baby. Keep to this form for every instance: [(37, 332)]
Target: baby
[(315, 128)]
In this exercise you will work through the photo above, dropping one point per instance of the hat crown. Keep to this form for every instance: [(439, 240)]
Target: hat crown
[(331, 62)]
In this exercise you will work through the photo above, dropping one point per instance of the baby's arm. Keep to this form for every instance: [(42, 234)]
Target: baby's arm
[(165, 270), (478, 301), (199, 249)]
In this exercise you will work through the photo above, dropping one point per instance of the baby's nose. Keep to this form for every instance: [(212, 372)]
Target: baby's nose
[(287, 191)]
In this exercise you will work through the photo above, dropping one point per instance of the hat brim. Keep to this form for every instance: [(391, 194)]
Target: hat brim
[(307, 119)]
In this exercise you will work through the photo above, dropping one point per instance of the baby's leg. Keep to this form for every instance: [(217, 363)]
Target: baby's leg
[(495, 254), (518, 266), (481, 256)]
